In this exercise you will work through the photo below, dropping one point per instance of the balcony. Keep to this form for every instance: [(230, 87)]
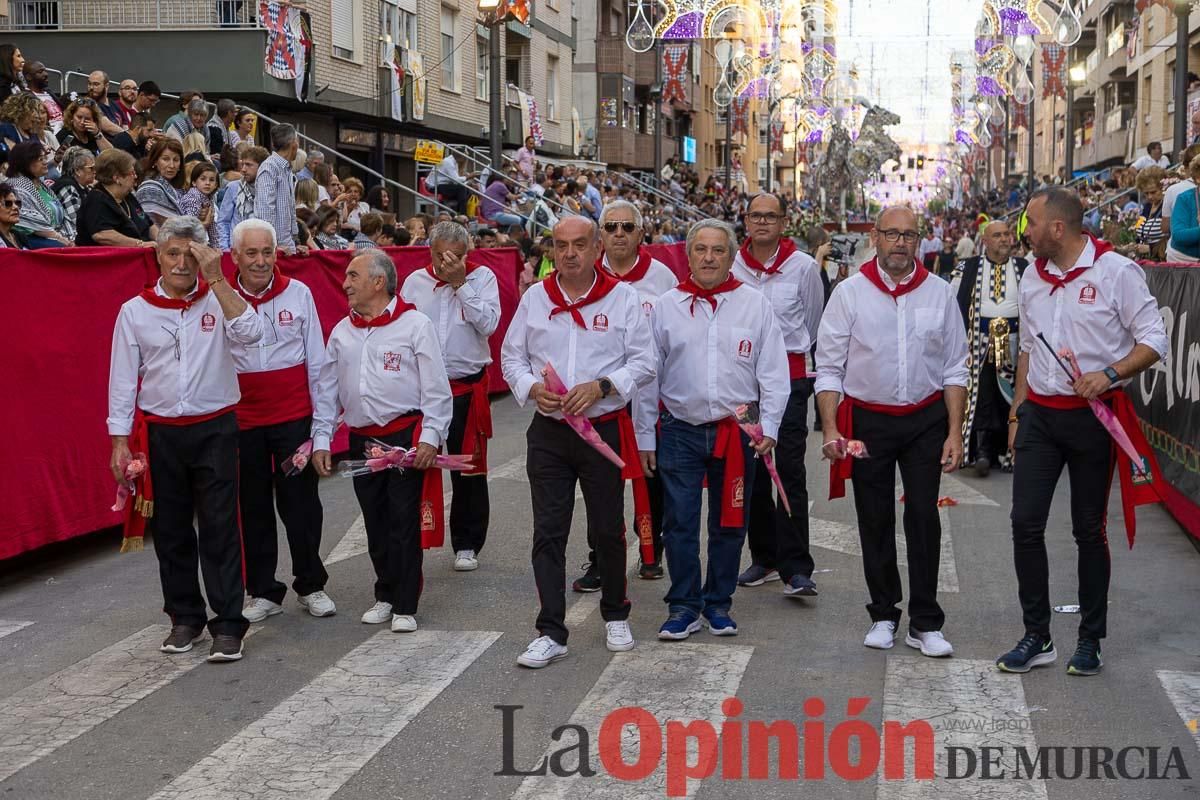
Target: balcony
[(613, 56), (1118, 119), (158, 15)]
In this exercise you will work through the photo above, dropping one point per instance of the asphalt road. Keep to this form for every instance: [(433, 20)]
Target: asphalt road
[(332, 708)]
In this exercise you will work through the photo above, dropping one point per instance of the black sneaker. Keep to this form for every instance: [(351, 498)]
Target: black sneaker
[(225, 648), (181, 639), (800, 586), (983, 465), (650, 572), (589, 581), (1086, 660), (1032, 651)]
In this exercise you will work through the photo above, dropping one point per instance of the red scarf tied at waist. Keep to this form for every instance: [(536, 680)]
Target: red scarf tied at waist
[(633, 472), (841, 470), (432, 509), (479, 422), (728, 448)]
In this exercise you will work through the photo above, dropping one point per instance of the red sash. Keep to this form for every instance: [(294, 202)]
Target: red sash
[(786, 248), (633, 472), (796, 367), (273, 396), (432, 511), (841, 470), (478, 427), (728, 448)]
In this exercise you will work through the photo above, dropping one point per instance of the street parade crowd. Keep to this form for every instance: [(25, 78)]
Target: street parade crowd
[(223, 390)]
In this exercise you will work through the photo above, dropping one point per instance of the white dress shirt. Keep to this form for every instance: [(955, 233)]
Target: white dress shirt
[(988, 308), (795, 292), (291, 335), (616, 345), (390, 370), (658, 280), (891, 351), (464, 318), (182, 357), (1100, 316), (712, 361), (928, 246)]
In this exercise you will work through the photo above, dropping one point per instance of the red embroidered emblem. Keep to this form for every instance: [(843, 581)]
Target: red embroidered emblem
[(745, 347), (647, 307), (391, 362), (208, 323), (427, 523), (285, 317), (739, 492), (1087, 294), (600, 322)]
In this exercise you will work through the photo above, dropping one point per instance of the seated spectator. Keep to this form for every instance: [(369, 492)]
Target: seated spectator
[(307, 195), (379, 200), (10, 214), (353, 206), (218, 129), (42, 218), (416, 231), (12, 71), (181, 123), (197, 201), (78, 175), (243, 126), (159, 193), (1185, 224), (38, 79), (81, 127), (305, 219), (195, 147), (22, 116), (1151, 242), (323, 175), (400, 236), (326, 230), (126, 98), (140, 137), (229, 165), (370, 226), (148, 95), (495, 203), (485, 238), (447, 180), (387, 235), (310, 161), (97, 92), (111, 215)]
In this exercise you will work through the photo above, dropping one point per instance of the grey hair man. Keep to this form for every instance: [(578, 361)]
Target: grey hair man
[(396, 392), (274, 188), (192, 457), (463, 301), (315, 157)]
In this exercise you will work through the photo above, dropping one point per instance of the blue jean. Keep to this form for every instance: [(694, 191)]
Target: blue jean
[(684, 460), (505, 220)]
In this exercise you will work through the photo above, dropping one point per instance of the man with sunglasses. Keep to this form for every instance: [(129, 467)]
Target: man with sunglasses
[(770, 262), (892, 346), (281, 384)]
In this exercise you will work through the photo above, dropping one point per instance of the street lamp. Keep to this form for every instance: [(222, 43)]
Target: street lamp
[(1076, 75), (494, 20), (1183, 9)]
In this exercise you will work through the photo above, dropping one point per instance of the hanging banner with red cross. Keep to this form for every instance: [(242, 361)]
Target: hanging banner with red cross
[(741, 115), (1020, 115), (1054, 70), (675, 58), (284, 58)]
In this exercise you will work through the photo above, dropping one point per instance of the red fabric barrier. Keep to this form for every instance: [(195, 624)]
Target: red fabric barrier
[(58, 309), (673, 255)]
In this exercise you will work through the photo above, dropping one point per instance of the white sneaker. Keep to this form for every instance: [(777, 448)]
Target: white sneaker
[(465, 561), (619, 637), (403, 623), (318, 604), (930, 643), (542, 651), (259, 608), (881, 636), (379, 613)]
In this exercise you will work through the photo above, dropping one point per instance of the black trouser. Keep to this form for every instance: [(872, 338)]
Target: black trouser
[(455, 194), (777, 540), (1047, 439), (391, 508), (195, 473), (989, 428), (914, 442), (557, 458), (470, 508), (262, 453), (655, 489)]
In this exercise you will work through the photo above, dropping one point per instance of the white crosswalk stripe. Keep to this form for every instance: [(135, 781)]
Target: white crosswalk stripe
[(314, 741), (1183, 688), (969, 705), (673, 682), (44, 716), (8, 626)]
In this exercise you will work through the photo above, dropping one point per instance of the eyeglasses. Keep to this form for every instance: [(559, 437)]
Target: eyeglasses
[(892, 235), (628, 227), (12, 203), (759, 219)]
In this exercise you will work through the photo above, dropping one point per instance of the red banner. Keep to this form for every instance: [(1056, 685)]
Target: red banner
[(58, 317)]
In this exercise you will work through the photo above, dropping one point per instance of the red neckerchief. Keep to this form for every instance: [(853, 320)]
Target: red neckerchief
[(786, 248), (604, 284), (438, 282), (279, 282), (698, 292), (870, 271), (382, 319), (157, 300), (640, 268), (1057, 283)]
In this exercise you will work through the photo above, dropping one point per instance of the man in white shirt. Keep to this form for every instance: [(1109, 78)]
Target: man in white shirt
[(175, 338), (791, 280), (590, 328), (965, 247), (526, 159), (392, 388), (446, 180), (892, 346), (1153, 158), (463, 302), (718, 346), (280, 380), (931, 243), (1084, 297)]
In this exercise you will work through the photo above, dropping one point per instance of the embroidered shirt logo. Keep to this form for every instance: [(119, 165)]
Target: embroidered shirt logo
[(1087, 294), (391, 362), (208, 323), (286, 318), (600, 322), (745, 348)]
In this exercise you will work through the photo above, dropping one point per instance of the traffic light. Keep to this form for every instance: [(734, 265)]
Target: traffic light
[(920, 162), (910, 162)]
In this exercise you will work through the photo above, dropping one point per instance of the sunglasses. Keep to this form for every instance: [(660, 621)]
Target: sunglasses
[(628, 227), (12, 203)]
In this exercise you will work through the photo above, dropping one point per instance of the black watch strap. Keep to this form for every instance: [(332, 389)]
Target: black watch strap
[(606, 387)]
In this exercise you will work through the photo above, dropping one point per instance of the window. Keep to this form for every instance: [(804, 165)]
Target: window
[(512, 71), (397, 28), (482, 66), (345, 25), (449, 55), (762, 135), (552, 88)]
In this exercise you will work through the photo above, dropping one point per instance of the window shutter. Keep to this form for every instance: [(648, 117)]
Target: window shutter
[(342, 12)]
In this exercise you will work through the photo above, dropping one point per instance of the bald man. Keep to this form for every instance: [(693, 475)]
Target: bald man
[(109, 114), (987, 287), (891, 346)]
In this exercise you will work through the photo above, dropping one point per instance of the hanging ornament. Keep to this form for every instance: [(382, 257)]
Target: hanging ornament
[(991, 69), (1022, 89), (1023, 48), (1020, 17), (997, 114), (640, 35), (1067, 27)]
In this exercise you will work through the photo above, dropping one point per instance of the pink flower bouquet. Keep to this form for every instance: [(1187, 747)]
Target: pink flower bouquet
[(748, 420), (299, 460), (132, 468), (382, 456), (579, 423)]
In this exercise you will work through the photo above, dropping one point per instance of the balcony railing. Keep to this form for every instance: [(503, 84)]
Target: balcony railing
[(1115, 40), (1117, 119), (1093, 61), (83, 15)]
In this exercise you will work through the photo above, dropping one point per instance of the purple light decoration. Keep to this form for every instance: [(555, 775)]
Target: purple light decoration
[(814, 137), (987, 85), (1015, 22), (758, 87), (685, 26), (962, 137), (984, 45)]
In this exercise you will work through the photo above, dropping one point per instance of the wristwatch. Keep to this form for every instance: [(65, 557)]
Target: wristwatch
[(606, 387), (1113, 377)]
